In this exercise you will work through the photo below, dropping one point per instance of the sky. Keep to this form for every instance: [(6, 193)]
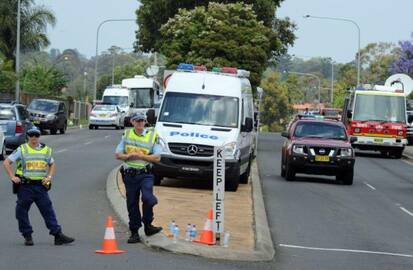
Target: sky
[(379, 20)]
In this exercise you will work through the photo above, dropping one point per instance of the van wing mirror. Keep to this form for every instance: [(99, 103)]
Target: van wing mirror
[(285, 134), (131, 105), (353, 139), (150, 116), (410, 118), (349, 114), (249, 125)]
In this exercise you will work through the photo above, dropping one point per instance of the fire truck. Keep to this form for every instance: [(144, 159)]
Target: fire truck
[(377, 117)]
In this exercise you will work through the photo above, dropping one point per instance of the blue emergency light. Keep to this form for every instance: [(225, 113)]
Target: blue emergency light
[(185, 67)]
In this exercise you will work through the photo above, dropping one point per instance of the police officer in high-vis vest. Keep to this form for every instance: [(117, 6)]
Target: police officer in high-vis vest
[(138, 149), (31, 182)]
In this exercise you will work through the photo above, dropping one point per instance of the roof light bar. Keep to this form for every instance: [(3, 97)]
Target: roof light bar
[(185, 67)]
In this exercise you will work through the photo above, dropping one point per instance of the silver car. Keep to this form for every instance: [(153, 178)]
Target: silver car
[(14, 122), (105, 115)]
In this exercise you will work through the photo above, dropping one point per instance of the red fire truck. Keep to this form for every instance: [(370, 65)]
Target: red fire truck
[(377, 117)]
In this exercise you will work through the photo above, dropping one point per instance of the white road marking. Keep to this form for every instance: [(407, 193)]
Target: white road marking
[(60, 151), (349, 251), (107, 136), (89, 142), (406, 211), (370, 186)]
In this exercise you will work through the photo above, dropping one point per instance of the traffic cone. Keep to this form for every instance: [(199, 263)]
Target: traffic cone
[(207, 235), (109, 245)]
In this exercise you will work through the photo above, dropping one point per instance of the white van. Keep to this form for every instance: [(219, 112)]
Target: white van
[(144, 94), (201, 110), (116, 95)]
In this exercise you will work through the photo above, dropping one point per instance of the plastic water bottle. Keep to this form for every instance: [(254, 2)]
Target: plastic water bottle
[(193, 233), (188, 232), (172, 227), (176, 233), (226, 239)]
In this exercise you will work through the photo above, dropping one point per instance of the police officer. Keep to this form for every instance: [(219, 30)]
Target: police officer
[(138, 149), (31, 182)]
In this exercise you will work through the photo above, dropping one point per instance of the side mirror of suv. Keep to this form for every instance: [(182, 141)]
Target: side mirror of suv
[(150, 115), (410, 118), (285, 134), (249, 125), (349, 114), (353, 139)]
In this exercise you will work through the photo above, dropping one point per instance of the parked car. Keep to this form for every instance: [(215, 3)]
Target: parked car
[(105, 115), (318, 147), (48, 114), (14, 122), (331, 113), (410, 127), (2, 144)]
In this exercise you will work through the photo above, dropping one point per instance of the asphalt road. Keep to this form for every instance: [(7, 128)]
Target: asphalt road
[(84, 158), (318, 224)]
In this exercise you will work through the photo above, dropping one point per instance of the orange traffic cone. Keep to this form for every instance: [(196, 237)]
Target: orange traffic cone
[(109, 245), (207, 235)]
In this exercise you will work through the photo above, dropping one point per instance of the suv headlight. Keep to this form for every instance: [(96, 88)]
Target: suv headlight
[(50, 116), (346, 152), (231, 151), (298, 149)]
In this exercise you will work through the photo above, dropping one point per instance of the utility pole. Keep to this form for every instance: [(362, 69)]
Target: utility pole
[(18, 51)]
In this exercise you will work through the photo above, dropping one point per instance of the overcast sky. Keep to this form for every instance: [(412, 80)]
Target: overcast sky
[(388, 21)]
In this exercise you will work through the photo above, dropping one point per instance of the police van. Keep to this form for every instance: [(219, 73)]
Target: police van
[(200, 110)]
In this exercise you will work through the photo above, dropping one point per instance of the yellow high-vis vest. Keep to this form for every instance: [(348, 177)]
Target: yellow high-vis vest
[(135, 143), (33, 163)]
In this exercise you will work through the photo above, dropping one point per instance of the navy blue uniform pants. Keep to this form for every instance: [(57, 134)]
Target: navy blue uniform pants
[(26, 195), (135, 186)]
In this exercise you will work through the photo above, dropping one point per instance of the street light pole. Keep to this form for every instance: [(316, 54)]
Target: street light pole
[(359, 38), (311, 75), (18, 51), (97, 50)]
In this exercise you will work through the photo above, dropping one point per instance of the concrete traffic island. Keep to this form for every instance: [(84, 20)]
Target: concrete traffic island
[(245, 217)]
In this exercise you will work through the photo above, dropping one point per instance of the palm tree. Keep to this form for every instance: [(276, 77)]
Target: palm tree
[(34, 22)]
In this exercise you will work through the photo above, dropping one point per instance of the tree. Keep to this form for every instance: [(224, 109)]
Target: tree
[(275, 107), (152, 14), (222, 35), (376, 59), (34, 22), (42, 80), (404, 61), (7, 75)]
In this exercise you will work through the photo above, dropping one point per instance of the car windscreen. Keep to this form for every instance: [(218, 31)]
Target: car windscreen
[(142, 97), (197, 109), (116, 100), (319, 130), (104, 108), (7, 113), (43, 105), (380, 108)]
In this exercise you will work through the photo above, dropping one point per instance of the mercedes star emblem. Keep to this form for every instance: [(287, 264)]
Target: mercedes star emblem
[(192, 150)]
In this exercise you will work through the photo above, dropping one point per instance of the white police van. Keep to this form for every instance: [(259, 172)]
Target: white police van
[(200, 110)]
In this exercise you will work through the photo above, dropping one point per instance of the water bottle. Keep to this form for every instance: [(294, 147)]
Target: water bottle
[(226, 239), (193, 233), (172, 227), (188, 232), (176, 233)]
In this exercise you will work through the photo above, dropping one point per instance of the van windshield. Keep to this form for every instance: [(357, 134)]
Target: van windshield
[(199, 109), (116, 100), (142, 97)]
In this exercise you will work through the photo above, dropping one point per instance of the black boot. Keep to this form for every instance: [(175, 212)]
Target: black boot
[(61, 239), (28, 240), (134, 238), (151, 230)]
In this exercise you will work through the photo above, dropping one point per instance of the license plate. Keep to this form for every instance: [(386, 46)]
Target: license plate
[(36, 122), (103, 115), (322, 158), (190, 169), (378, 140)]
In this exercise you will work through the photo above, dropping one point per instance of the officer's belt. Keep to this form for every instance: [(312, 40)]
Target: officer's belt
[(28, 181), (134, 171)]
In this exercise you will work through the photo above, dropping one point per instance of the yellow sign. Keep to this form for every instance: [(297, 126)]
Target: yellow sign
[(134, 149), (36, 165)]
